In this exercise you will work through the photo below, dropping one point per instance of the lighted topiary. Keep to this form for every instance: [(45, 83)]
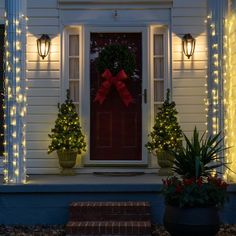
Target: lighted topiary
[(67, 134), (166, 134)]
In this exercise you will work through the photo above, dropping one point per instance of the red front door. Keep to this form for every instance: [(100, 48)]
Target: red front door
[(116, 129)]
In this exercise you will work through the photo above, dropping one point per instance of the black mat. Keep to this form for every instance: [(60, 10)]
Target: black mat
[(115, 173)]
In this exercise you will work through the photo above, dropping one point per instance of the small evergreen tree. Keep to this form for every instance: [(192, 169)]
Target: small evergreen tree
[(67, 133), (166, 134)]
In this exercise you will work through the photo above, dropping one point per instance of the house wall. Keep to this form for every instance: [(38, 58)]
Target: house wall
[(188, 75)]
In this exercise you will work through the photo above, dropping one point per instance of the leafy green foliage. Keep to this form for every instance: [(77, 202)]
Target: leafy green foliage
[(116, 57), (166, 134), (195, 165), (67, 133), (200, 157), (201, 192)]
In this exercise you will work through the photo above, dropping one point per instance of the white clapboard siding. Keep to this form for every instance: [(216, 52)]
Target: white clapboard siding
[(182, 83), (42, 101), (189, 75), (189, 100), (42, 4), (42, 12), (44, 75), (186, 74), (52, 57), (34, 136), (36, 83), (44, 86), (40, 110), (37, 154)]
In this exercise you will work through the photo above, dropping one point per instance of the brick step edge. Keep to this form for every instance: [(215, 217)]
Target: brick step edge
[(101, 216), (108, 208), (108, 227), (110, 204)]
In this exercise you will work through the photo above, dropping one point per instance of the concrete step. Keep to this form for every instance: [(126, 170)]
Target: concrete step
[(109, 211), (108, 228)]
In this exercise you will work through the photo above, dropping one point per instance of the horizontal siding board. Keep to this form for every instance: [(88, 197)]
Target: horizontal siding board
[(41, 118), (52, 57), (40, 110), (48, 163), (179, 56), (31, 127), (200, 39), (42, 12), (104, 16), (194, 12), (189, 100), (189, 83), (43, 66), (195, 91), (48, 83), (42, 74), (191, 109), (44, 29), (189, 3), (38, 21), (189, 73), (32, 48), (35, 154), (31, 40), (42, 4), (43, 101), (37, 92), (191, 118), (189, 20), (37, 145), (189, 127), (188, 65), (198, 29), (37, 136)]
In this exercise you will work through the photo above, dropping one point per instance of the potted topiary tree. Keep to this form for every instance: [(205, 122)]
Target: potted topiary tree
[(194, 193), (67, 137), (165, 136)]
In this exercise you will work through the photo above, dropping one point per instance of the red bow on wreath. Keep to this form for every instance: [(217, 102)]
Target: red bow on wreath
[(119, 84)]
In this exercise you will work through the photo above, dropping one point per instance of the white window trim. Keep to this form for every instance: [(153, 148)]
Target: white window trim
[(70, 30), (156, 29)]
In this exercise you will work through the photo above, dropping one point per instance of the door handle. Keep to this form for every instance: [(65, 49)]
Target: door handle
[(144, 95)]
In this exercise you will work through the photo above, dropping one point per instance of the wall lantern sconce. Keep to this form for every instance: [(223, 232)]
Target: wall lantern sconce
[(43, 44), (188, 43)]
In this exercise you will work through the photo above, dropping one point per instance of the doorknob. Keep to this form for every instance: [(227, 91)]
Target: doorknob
[(144, 95)]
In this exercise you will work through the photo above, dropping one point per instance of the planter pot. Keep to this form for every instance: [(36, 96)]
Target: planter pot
[(165, 161), (191, 221), (67, 160)]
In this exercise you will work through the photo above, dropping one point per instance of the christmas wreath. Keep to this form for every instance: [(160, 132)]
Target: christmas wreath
[(116, 57)]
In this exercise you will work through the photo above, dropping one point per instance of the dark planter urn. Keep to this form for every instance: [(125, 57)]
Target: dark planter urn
[(191, 221), (67, 160)]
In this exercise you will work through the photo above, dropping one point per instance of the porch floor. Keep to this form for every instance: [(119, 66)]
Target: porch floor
[(86, 182)]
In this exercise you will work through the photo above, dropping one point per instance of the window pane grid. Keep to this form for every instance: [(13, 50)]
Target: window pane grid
[(74, 69), (158, 71)]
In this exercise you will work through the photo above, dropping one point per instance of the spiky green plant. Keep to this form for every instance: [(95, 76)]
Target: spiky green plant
[(200, 157)]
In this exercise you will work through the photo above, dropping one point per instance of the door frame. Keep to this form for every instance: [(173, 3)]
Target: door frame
[(85, 90)]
